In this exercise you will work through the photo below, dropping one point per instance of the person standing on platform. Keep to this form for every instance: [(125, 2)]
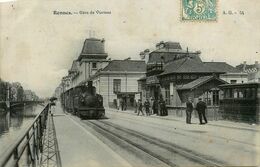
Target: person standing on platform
[(125, 104), (151, 106), (147, 107), (122, 104), (163, 110), (140, 107), (155, 107), (118, 104), (189, 109), (136, 105), (201, 107), (115, 103)]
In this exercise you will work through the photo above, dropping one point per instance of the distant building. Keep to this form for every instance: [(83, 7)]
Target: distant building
[(232, 75), (30, 96), (58, 91), (253, 71), (73, 74), (16, 92), (4, 86), (66, 82), (118, 81)]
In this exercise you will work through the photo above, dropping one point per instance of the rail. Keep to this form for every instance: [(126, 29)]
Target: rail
[(30, 142)]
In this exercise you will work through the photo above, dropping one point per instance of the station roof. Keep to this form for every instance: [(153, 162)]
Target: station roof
[(244, 85), (221, 67), (198, 82), (187, 65), (126, 65), (93, 48)]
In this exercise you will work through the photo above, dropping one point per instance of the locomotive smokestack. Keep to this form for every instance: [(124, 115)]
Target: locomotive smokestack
[(90, 83), (90, 86)]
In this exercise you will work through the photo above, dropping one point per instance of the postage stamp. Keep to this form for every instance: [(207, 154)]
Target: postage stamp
[(199, 10)]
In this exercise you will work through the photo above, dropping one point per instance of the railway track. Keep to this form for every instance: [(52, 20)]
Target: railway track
[(165, 152), (188, 135)]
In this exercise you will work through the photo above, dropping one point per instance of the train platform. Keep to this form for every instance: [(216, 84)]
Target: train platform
[(78, 147), (217, 123)]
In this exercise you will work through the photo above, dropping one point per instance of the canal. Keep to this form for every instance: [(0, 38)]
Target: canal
[(13, 124)]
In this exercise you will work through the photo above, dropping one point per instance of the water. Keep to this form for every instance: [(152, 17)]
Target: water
[(14, 123)]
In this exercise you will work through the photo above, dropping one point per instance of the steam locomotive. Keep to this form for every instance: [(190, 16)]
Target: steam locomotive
[(83, 101)]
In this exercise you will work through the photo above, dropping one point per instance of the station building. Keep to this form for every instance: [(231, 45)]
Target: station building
[(91, 59), (232, 75), (119, 81), (253, 71), (175, 74), (115, 80)]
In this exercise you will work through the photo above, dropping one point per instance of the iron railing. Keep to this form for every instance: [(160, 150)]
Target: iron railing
[(29, 146)]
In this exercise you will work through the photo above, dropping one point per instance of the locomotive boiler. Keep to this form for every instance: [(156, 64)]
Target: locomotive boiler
[(83, 101)]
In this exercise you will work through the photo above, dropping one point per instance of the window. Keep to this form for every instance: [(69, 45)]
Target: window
[(253, 91), (233, 81), (117, 85), (235, 93), (241, 93), (215, 97), (248, 93), (193, 76), (207, 96), (186, 76), (139, 86), (228, 93), (94, 65)]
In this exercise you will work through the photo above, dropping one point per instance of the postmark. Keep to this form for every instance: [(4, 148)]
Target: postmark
[(199, 10)]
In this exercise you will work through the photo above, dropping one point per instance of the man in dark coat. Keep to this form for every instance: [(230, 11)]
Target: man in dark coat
[(140, 107), (189, 109), (163, 109), (155, 107), (147, 107), (201, 107), (122, 104)]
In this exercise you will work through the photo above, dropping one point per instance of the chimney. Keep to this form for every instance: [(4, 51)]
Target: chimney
[(158, 46), (90, 84), (244, 66)]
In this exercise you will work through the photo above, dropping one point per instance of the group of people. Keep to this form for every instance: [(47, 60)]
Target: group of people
[(159, 107), (200, 108), (155, 107), (120, 104)]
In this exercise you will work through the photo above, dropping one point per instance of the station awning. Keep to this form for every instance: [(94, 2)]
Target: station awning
[(199, 82)]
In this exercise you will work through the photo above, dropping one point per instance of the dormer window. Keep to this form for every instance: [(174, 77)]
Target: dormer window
[(94, 65)]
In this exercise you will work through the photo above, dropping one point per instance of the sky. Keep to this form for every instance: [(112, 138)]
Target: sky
[(37, 47)]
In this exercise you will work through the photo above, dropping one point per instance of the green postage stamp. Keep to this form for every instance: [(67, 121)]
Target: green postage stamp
[(199, 10)]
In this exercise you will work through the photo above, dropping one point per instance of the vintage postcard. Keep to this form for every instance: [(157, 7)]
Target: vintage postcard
[(129, 83)]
